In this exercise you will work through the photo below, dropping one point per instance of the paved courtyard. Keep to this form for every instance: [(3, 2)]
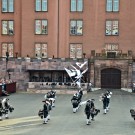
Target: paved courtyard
[(25, 121)]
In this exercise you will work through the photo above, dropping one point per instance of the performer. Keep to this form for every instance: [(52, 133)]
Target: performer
[(133, 87), (80, 94), (75, 103), (89, 87), (76, 100), (105, 102), (51, 95), (6, 107), (108, 100), (88, 111), (1, 109), (49, 107), (45, 112), (132, 112), (4, 92)]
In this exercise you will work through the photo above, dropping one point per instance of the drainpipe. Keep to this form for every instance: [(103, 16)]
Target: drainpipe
[(58, 33)]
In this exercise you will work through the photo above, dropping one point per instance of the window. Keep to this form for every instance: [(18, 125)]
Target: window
[(41, 50), (41, 5), (7, 27), (76, 27), (7, 47), (112, 5), (76, 5), (75, 50), (112, 27), (8, 6), (41, 27)]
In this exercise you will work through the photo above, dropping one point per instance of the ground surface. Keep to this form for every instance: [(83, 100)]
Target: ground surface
[(25, 121)]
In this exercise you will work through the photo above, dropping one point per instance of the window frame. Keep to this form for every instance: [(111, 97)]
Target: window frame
[(112, 8), (76, 7), (41, 6), (41, 27), (75, 20), (8, 1), (112, 22), (7, 50), (2, 27), (41, 50), (75, 46)]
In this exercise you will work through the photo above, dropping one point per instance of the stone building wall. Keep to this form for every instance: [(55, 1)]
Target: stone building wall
[(123, 65), (18, 68)]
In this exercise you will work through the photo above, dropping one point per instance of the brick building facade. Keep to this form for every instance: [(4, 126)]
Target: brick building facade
[(99, 31)]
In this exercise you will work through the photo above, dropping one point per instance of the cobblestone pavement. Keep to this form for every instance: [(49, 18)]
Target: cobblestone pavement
[(25, 121)]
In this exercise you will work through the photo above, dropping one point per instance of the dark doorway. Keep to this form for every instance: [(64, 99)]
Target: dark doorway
[(111, 78)]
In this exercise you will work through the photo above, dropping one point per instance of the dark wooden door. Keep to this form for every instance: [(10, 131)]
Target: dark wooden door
[(111, 78)]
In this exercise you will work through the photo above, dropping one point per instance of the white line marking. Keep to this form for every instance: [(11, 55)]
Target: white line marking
[(12, 127)]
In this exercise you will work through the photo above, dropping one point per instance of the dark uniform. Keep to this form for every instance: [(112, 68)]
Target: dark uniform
[(75, 103), (89, 108), (6, 107), (51, 95), (1, 109), (4, 92), (80, 94), (108, 100), (45, 112), (105, 102)]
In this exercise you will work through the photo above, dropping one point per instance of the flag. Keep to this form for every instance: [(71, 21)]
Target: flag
[(80, 65), (78, 83), (70, 73)]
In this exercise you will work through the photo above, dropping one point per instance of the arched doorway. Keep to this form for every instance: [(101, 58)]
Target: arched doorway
[(111, 78)]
